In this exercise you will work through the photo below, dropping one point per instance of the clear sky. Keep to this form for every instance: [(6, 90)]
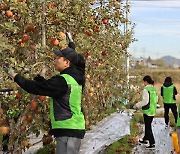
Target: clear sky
[(157, 28)]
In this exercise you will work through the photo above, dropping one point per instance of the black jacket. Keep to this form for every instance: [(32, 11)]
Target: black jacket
[(168, 84)]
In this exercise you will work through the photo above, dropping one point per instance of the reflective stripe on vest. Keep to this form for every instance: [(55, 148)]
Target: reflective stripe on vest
[(77, 120), (168, 93), (150, 108)]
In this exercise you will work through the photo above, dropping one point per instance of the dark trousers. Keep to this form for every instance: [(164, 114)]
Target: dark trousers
[(148, 129), (173, 108)]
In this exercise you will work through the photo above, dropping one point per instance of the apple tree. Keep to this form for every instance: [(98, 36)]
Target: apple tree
[(30, 30)]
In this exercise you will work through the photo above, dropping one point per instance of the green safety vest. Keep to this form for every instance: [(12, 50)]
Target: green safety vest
[(77, 120), (168, 93), (178, 116), (150, 108)]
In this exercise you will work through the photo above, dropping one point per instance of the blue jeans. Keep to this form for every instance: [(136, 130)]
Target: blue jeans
[(67, 145)]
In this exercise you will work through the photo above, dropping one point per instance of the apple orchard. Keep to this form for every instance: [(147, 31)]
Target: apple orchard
[(31, 29)]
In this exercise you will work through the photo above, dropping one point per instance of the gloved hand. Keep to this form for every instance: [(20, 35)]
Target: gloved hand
[(69, 36), (9, 70), (135, 107)]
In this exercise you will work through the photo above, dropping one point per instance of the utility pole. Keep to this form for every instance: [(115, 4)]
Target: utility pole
[(143, 51), (127, 49), (127, 52)]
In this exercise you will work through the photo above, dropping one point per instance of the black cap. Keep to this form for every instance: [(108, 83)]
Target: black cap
[(68, 53)]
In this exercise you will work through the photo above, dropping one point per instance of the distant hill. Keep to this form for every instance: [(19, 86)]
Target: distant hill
[(171, 61)]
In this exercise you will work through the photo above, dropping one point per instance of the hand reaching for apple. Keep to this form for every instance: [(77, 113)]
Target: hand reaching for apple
[(9, 70), (69, 36)]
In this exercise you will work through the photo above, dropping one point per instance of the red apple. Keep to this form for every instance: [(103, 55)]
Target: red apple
[(105, 21), (54, 41), (25, 38)]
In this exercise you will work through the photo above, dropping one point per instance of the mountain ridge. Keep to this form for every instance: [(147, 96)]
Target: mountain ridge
[(171, 61)]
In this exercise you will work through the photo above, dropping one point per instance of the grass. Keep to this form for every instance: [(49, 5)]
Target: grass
[(107, 112)]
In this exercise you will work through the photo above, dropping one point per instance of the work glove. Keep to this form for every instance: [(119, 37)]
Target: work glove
[(9, 70), (135, 107), (69, 36)]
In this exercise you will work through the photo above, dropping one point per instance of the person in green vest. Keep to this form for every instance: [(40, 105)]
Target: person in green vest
[(168, 92), (65, 92), (148, 106)]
